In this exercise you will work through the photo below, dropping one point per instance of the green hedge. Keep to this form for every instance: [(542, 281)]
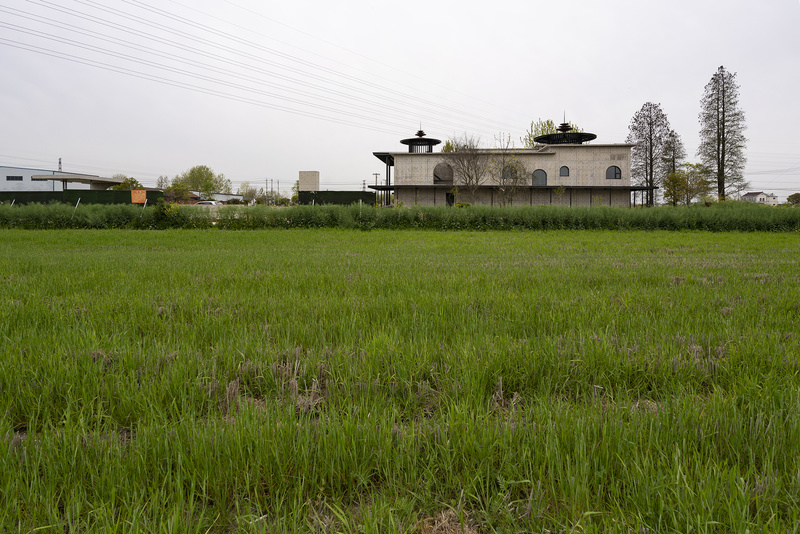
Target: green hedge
[(98, 216), (729, 216)]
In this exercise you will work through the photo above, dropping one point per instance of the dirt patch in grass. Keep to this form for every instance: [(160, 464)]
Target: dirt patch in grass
[(446, 522)]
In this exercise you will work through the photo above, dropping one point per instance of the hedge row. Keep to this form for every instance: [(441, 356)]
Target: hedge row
[(99, 216), (730, 216)]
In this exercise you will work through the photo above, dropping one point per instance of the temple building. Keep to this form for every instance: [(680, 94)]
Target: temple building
[(561, 170)]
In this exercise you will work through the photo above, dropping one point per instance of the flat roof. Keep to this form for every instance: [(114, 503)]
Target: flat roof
[(543, 150), (76, 178), (494, 186), (25, 168)]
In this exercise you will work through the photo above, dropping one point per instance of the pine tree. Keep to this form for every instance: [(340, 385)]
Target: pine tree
[(648, 130), (722, 141)]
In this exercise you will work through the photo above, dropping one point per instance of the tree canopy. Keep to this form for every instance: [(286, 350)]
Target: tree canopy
[(202, 179), (648, 131), (542, 127), (687, 184), (722, 140), (128, 183), (673, 155)]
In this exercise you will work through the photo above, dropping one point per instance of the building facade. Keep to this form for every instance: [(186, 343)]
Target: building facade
[(21, 179), (565, 173), (759, 197)]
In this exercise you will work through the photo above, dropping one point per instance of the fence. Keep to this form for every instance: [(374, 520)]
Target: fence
[(86, 196)]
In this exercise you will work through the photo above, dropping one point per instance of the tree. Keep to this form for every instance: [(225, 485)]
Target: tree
[(177, 192), (700, 186), (687, 184), (203, 180), (674, 187), (648, 131), (722, 140), (469, 163), (673, 155), (793, 199), (163, 182), (541, 127), (506, 169), (127, 183), (247, 191)]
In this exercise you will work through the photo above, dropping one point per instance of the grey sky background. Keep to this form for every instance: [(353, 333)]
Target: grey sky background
[(262, 90)]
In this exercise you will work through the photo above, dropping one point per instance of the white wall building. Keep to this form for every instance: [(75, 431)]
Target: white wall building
[(21, 179), (759, 197)]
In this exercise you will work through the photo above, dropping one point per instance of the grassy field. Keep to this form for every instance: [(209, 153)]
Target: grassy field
[(411, 381)]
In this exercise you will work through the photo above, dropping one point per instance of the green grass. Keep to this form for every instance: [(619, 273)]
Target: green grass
[(345, 381)]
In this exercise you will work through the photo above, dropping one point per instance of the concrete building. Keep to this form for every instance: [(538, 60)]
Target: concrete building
[(759, 197), (561, 171), (308, 181)]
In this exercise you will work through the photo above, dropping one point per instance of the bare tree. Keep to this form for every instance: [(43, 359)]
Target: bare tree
[(648, 130), (505, 168), (673, 155), (470, 164), (722, 140), (247, 191)]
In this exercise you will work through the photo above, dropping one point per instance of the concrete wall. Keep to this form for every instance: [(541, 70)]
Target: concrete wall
[(587, 165)]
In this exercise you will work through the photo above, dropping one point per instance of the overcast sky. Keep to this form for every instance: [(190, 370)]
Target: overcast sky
[(261, 90)]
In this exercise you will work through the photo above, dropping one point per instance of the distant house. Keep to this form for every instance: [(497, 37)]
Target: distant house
[(560, 171), (759, 197)]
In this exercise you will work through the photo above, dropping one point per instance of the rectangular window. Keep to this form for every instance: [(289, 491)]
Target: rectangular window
[(13, 178)]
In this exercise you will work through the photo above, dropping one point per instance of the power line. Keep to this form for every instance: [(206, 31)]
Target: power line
[(207, 67), (363, 87)]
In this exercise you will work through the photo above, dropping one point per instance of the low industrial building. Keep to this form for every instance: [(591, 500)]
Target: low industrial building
[(562, 170), (31, 180)]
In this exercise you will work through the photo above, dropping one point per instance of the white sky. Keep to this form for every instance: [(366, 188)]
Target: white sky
[(262, 90)]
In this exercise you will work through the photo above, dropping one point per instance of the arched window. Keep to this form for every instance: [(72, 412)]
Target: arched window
[(443, 174), (613, 173), (539, 177), (564, 171)]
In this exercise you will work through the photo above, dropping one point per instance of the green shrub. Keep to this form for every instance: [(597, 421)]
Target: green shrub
[(718, 217)]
